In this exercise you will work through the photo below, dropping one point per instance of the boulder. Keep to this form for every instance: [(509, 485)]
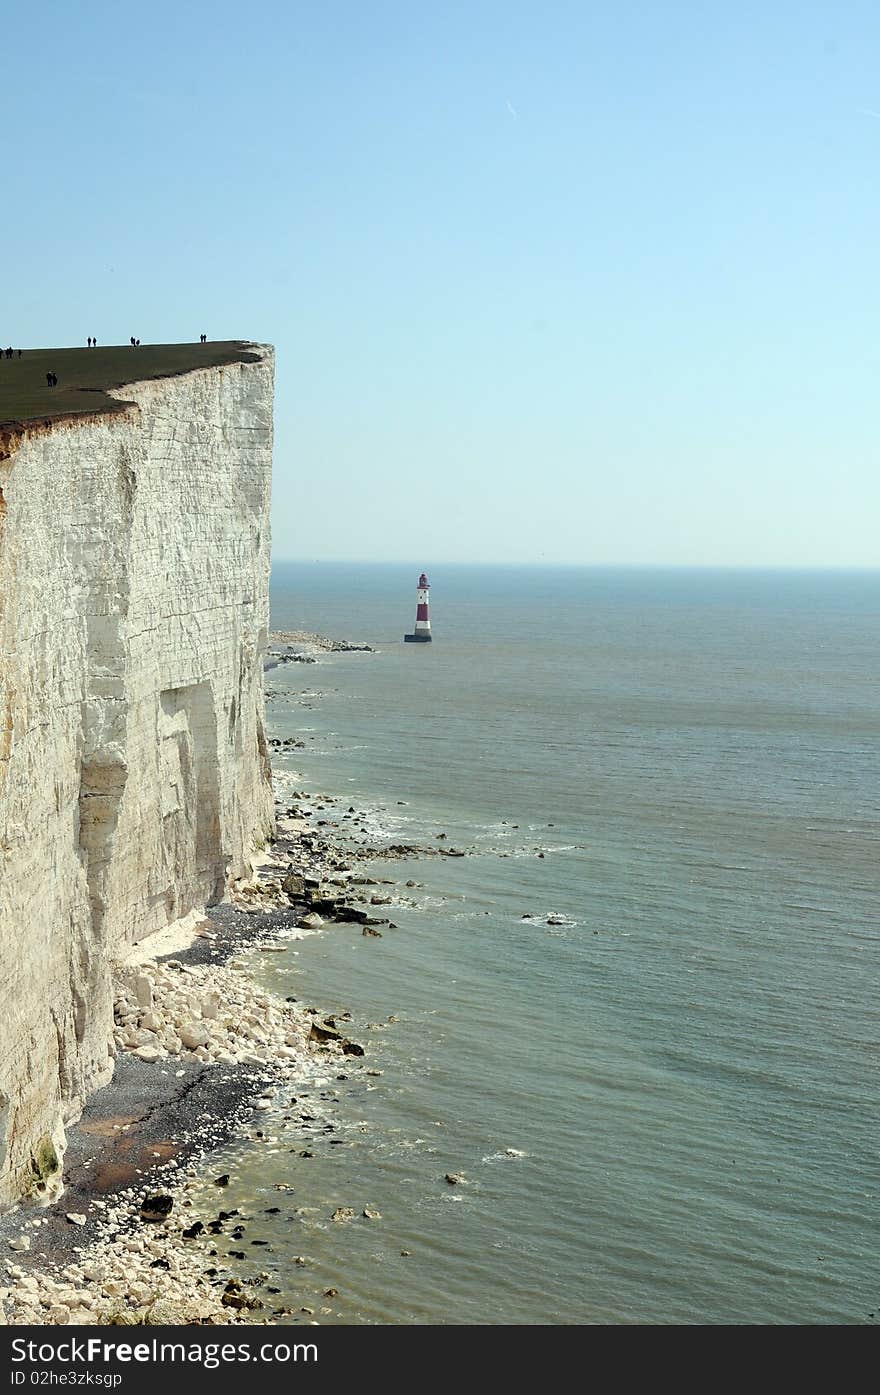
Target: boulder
[(143, 989), (321, 906), (346, 914), (322, 1031), (234, 1295), (157, 1207), (192, 1034)]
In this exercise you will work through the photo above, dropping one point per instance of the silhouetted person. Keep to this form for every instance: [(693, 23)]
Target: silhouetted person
[(131, 341), (90, 341), (9, 352), (203, 339), (50, 380), (19, 353), (94, 342), (137, 343)]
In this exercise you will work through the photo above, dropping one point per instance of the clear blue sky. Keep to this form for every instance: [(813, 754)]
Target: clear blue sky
[(565, 282)]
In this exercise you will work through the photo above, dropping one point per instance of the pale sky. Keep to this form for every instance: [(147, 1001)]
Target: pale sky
[(563, 282)]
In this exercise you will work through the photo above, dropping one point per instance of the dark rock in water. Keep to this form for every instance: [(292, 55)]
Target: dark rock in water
[(237, 1254), (306, 1154), (453, 1178), (226, 1215), (192, 1230), (344, 914), (323, 905), (234, 1295), (368, 930), (322, 1031), (222, 1181), (259, 1242), (331, 1292), (157, 1207), (272, 1210), (351, 1048)]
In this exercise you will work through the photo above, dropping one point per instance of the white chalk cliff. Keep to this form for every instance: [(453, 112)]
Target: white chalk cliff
[(134, 776)]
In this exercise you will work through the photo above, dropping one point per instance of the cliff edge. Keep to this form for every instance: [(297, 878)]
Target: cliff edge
[(134, 775)]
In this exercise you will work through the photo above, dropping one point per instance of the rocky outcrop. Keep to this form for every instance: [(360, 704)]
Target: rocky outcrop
[(134, 772)]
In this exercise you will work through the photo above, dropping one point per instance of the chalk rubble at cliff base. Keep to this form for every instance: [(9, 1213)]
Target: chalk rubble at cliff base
[(143, 1276), (212, 1012), (136, 1272)]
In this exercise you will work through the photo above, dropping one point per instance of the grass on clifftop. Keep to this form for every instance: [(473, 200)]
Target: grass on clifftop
[(85, 374)]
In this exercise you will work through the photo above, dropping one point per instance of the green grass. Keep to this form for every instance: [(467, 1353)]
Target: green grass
[(84, 375)]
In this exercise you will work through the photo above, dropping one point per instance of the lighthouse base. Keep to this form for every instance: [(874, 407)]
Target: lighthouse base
[(417, 639)]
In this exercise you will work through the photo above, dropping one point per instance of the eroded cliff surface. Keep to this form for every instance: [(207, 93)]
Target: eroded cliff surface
[(134, 777)]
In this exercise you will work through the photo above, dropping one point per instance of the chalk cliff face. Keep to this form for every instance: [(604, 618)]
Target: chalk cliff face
[(134, 777)]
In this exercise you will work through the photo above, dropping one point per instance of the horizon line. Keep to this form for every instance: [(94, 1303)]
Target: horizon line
[(423, 564)]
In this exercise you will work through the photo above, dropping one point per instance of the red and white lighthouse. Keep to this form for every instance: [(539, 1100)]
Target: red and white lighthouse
[(422, 633)]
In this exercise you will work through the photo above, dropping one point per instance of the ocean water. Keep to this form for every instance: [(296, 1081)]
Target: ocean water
[(652, 1051)]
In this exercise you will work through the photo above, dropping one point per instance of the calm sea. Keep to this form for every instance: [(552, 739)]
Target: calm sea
[(652, 1051)]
